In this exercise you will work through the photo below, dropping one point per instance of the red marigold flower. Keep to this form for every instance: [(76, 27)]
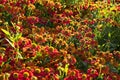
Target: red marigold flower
[(44, 72), (68, 12), (85, 6), (66, 21), (92, 72), (54, 53), (32, 19), (73, 74), (86, 21), (37, 72), (3, 1), (25, 74), (92, 22), (14, 76), (52, 76), (51, 51), (58, 5), (66, 32)]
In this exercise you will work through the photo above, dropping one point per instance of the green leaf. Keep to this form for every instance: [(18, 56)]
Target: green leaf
[(19, 56), (1, 39), (66, 69), (6, 32), (1, 6), (60, 68), (109, 35), (100, 77), (18, 36), (10, 42)]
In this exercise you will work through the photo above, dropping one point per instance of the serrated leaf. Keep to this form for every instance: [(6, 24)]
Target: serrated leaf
[(12, 39), (6, 32)]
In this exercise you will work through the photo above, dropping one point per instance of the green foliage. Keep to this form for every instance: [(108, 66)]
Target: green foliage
[(63, 71), (74, 40), (7, 16), (68, 2), (100, 77), (108, 38), (11, 38), (82, 65)]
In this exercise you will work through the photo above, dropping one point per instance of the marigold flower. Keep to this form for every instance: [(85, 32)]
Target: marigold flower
[(31, 6), (32, 19), (3, 1), (58, 5)]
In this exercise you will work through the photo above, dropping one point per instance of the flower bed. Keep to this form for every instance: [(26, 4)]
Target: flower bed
[(59, 40)]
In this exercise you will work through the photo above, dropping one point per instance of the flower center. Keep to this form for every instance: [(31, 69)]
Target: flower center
[(15, 75), (26, 74), (37, 71), (84, 76), (34, 78), (47, 70)]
